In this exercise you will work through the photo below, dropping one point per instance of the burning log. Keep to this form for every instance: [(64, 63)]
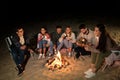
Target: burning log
[(57, 62)]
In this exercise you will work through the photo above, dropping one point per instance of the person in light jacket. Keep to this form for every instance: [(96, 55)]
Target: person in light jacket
[(67, 39)]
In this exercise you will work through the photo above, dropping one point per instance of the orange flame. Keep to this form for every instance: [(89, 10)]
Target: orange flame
[(58, 59)]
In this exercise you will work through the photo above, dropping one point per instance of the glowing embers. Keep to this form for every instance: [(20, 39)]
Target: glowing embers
[(57, 62)]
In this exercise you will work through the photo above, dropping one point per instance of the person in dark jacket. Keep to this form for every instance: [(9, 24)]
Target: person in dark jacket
[(21, 49), (55, 36)]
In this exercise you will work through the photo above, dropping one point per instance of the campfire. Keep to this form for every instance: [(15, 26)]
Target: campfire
[(57, 62)]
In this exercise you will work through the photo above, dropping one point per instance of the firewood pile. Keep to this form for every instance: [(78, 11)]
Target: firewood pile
[(57, 62)]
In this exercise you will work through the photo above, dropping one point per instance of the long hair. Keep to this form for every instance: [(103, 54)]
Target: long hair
[(44, 29), (103, 38)]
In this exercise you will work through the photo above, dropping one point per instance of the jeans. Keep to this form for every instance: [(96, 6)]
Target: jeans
[(65, 43), (51, 47), (42, 44), (98, 58), (20, 56), (25, 57), (15, 56)]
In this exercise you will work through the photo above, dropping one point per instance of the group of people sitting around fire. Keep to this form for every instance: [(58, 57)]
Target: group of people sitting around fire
[(55, 41), (97, 43)]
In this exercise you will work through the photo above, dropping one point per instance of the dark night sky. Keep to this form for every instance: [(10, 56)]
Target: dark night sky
[(22, 11), (30, 10)]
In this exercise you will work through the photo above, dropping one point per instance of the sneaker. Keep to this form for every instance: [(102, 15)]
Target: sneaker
[(40, 55), (43, 56), (91, 74), (49, 54), (69, 54), (88, 71)]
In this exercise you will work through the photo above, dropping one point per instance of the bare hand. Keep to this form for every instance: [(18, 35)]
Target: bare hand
[(87, 47), (63, 36), (67, 38)]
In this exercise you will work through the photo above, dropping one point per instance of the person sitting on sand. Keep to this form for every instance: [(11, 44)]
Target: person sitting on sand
[(55, 37), (86, 34), (67, 39), (43, 41)]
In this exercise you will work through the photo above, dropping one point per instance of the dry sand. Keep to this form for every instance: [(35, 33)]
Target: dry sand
[(35, 69)]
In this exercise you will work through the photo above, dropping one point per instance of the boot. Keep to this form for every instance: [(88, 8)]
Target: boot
[(20, 69)]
